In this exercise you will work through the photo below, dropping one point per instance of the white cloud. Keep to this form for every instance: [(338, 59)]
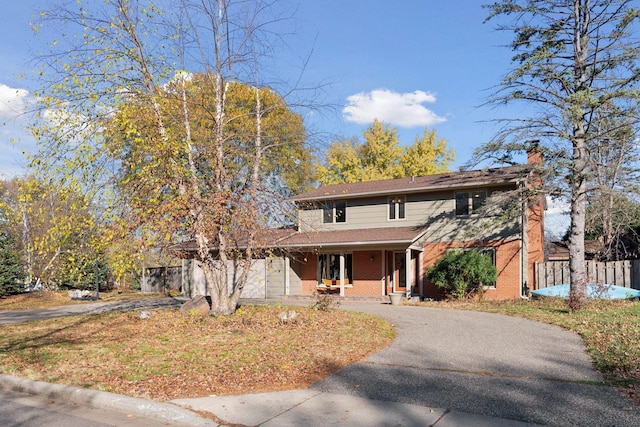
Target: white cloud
[(396, 109), (13, 102)]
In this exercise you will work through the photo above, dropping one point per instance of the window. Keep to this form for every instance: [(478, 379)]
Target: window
[(396, 207), (329, 268), (478, 199), (469, 202), (462, 204), (491, 252), (334, 212), (327, 212)]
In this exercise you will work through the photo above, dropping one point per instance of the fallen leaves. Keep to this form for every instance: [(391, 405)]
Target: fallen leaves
[(170, 356)]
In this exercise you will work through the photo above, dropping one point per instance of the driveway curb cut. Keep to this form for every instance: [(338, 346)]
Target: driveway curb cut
[(162, 412)]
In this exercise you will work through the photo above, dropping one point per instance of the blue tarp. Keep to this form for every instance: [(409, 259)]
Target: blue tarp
[(593, 291)]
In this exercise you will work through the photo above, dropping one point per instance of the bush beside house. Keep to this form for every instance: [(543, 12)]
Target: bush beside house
[(463, 273)]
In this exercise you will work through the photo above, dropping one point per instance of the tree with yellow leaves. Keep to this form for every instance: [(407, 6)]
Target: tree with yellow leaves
[(380, 156)]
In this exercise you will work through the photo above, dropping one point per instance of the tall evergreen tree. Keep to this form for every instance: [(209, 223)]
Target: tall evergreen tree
[(11, 268), (573, 60)]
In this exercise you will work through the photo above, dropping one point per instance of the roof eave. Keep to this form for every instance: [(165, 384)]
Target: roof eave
[(347, 243), (407, 190)]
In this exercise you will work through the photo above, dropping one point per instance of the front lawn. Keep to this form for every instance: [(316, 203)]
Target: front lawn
[(171, 355)]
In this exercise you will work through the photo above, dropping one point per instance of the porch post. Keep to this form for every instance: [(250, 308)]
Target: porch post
[(383, 274), (287, 263), (341, 274), (420, 273), (409, 275)]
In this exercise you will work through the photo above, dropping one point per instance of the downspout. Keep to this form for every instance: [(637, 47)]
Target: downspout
[(409, 273), (383, 273), (524, 244), (342, 274), (287, 275), (420, 274)]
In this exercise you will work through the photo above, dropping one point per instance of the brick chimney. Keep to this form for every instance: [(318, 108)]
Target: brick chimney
[(534, 152)]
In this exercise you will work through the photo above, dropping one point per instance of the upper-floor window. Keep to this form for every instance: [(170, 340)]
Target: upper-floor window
[(334, 212), (468, 202), (396, 207)]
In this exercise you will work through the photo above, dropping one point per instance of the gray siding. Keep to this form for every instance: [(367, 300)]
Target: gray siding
[(295, 277), (275, 277), (276, 286), (435, 210), (195, 283)]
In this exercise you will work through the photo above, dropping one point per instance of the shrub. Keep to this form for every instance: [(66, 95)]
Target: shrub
[(463, 273), (83, 274), (324, 302)]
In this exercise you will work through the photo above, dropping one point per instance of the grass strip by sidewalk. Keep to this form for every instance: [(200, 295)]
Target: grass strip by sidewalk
[(171, 356)]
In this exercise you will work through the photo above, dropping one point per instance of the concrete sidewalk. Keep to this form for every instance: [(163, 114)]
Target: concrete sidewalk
[(154, 412), (313, 408), (279, 409)]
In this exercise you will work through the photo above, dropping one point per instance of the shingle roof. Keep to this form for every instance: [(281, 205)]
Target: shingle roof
[(264, 238), (390, 235), (435, 182), (289, 238)]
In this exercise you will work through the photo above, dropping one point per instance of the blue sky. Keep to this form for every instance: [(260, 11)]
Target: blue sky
[(410, 63), (413, 64)]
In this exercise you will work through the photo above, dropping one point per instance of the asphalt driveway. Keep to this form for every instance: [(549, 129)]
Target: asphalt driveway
[(486, 364), (19, 316)]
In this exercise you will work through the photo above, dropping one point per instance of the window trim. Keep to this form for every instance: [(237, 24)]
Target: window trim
[(334, 206), (320, 266), (399, 204)]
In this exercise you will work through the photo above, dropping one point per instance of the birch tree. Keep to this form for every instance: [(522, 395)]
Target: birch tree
[(54, 230), (572, 60), (186, 157)]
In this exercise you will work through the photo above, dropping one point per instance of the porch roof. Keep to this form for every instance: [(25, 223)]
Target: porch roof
[(361, 237), (291, 239)]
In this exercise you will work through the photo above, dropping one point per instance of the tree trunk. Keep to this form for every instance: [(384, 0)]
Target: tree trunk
[(577, 266)]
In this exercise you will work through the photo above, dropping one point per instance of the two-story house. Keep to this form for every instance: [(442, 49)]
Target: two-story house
[(370, 239)]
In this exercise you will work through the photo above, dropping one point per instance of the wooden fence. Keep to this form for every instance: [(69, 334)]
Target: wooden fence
[(619, 273), (162, 279)]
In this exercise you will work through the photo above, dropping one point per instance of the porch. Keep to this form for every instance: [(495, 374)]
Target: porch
[(363, 272)]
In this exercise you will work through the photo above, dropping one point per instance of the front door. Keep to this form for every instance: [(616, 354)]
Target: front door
[(399, 272)]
